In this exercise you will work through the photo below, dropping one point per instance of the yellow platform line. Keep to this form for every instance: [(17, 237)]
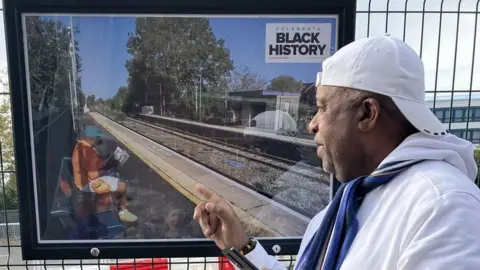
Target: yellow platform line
[(162, 174), (189, 195)]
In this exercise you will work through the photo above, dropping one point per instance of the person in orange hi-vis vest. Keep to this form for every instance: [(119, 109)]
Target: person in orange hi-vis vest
[(91, 174)]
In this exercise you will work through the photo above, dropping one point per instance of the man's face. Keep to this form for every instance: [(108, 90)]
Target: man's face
[(336, 133)]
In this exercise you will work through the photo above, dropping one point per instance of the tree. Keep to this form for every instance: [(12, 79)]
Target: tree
[(285, 83), (119, 98), (184, 53), (11, 195), (7, 151), (477, 155), (90, 100), (81, 99), (136, 84), (244, 79), (50, 63)]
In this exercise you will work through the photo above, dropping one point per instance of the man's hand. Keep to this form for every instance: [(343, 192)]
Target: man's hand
[(219, 221)]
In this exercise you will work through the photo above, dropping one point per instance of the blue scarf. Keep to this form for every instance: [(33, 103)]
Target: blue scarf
[(340, 224)]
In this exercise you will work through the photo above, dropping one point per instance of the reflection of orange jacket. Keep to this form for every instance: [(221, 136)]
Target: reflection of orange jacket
[(87, 164)]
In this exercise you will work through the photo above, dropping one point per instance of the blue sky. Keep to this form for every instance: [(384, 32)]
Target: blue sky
[(103, 40)]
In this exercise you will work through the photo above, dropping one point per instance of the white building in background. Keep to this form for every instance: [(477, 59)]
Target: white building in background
[(148, 110), (460, 115)]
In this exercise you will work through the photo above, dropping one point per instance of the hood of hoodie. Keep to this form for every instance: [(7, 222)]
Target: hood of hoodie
[(449, 148)]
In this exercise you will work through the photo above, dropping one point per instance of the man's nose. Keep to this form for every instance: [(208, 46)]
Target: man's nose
[(312, 126)]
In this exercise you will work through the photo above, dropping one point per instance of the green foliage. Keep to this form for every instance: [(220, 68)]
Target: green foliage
[(183, 56), (285, 83), (49, 63), (10, 201), (119, 98), (90, 100), (244, 79), (477, 155)]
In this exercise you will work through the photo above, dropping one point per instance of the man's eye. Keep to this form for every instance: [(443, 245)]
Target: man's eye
[(321, 108)]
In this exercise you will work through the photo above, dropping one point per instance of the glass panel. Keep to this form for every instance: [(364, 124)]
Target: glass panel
[(447, 116), (458, 114), (132, 112), (476, 114), (457, 133), (476, 136), (440, 114)]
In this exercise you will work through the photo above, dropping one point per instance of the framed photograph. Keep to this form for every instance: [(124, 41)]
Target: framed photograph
[(121, 109)]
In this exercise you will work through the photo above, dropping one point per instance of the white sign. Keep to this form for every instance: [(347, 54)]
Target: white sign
[(298, 42), (121, 155)]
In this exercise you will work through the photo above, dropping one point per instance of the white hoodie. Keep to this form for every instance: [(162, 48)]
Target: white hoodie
[(427, 217)]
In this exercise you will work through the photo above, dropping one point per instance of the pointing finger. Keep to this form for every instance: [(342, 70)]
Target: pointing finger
[(204, 191)]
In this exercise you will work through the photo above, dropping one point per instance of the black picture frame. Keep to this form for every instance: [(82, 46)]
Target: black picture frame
[(13, 10)]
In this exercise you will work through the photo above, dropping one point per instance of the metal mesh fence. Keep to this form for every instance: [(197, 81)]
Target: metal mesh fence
[(12, 231), (444, 33)]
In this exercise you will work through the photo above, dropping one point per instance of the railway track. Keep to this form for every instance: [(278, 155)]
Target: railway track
[(294, 185), (269, 160)]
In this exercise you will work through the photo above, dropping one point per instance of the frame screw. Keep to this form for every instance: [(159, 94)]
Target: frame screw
[(276, 249), (95, 252)]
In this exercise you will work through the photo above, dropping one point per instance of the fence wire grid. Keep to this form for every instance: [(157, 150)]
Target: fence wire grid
[(443, 32)]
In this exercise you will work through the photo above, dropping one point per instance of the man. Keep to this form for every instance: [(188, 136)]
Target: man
[(92, 174), (407, 201)]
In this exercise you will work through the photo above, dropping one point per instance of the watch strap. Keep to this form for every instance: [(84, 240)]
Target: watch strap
[(249, 246)]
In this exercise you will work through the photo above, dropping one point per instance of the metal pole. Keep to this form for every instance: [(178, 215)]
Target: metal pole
[(196, 102), (160, 99), (74, 63), (200, 97), (226, 104), (71, 102)]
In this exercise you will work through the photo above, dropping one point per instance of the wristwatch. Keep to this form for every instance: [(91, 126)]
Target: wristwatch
[(249, 246)]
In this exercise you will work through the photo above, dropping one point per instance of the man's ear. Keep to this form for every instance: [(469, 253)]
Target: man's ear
[(368, 114)]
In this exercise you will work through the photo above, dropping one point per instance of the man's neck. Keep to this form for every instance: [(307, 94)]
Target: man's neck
[(377, 155)]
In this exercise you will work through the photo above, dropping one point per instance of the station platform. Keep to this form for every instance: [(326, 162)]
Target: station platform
[(238, 129), (261, 215)]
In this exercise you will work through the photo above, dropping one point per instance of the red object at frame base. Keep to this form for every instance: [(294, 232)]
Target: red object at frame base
[(224, 264), (142, 264)]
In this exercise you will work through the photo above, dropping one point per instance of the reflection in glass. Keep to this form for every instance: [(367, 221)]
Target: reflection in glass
[(129, 113)]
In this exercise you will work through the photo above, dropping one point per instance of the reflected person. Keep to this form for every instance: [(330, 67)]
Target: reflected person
[(407, 199), (93, 174)]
